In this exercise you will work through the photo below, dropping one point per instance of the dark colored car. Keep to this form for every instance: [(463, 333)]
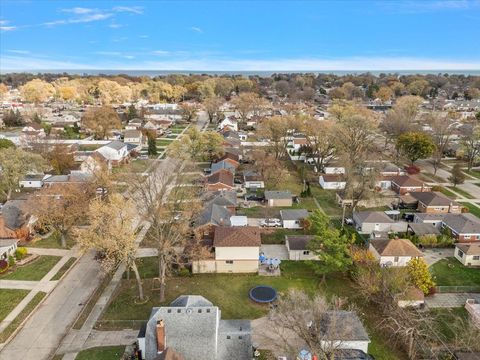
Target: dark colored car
[(254, 197)]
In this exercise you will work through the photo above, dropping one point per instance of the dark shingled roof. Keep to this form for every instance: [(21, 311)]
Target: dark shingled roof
[(237, 236), (463, 223), (342, 325), (433, 199), (405, 180), (274, 194), (298, 242)]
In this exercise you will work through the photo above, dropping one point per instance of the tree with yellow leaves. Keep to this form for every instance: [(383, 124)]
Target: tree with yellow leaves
[(37, 91), (101, 121), (419, 275)]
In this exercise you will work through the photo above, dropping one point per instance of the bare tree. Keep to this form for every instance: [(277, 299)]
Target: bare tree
[(320, 142), (470, 140), (441, 134)]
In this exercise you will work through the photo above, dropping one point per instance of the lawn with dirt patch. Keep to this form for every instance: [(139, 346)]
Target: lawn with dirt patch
[(450, 272), (33, 271), (164, 142)]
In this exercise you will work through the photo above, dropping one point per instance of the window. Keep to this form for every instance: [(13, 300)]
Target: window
[(476, 257), (208, 310), (199, 311), (228, 336), (179, 311), (460, 253), (240, 337), (228, 261), (306, 252), (395, 259), (169, 311)]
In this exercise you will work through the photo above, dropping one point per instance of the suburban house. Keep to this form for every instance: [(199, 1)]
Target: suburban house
[(7, 248), (405, 184), (192, 327), (298, 249), (293, 218), (423, 229), (134, 124), (370, 221), (133, 136), (231, 158), (237, 250), (32, 181), (431, 202), (342, 329), (433, 219), (72, 178), (394, 252), (212, 216), (223, 165), (15, 220), (228, 123), (389, 169), (95, 162), (278, 198), (225, 198), (332, 181), (468, 254), (116, 152), (253, 180), (464, 227), (220, 180)]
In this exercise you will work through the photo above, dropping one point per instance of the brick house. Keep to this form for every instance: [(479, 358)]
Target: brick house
[(434, 203), (220, 180), (464, 227), (406, 184)]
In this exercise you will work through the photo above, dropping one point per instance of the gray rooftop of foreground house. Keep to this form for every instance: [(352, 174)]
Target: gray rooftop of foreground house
[(294, 214), (214, 214), (278, 194)]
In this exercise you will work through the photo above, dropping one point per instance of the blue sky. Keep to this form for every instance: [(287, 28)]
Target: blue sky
[(241, 35)]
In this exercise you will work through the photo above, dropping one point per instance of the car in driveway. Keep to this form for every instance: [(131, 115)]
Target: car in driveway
[(254, 197), (271, 223)]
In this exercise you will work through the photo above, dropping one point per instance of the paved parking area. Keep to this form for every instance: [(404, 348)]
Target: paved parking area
[(450, 300), (275, 251), (434, 255)]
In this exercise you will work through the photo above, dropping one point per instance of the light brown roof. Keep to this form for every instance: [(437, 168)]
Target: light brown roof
[(395, 247), (470, 249), (406, 180), (221, 176), (237, 236)]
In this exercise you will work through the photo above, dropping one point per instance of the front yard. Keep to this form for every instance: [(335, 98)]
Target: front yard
[(33, 271), (50, 242), (450, 272), (475, 210), (9, 299), (102, 353)]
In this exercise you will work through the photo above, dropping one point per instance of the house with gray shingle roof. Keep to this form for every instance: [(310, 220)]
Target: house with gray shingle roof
[(468, 254), (278, 198), (192, 326), (369, 221), (212, 215), (298, 247), (293, 218), (223, 164), (464, 227)]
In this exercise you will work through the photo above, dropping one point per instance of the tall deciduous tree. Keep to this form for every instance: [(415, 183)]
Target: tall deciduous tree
[(37, 91), (470, 140), (245, 104), (457, 177), (101, 121), (415, 145), (111, 231), (197, 146), (320, 142), (189, 111), (212, 107), (14, 165), (441, 134)]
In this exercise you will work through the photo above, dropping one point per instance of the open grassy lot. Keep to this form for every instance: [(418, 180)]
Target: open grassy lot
[(51, 242), (164, 142), (327, 201), (34, 271), (102, 353), (9, 299), (445, 320), (475, 210), (5, 334), (450, 272), (135, 166), (461, 192)]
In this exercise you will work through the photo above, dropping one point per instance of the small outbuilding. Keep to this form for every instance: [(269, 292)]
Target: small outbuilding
[(293, 218), (298, 247)]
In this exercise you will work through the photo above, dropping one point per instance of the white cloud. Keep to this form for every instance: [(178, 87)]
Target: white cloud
[(196, 29), (131, 9), (80, 10), (143, 36), (15, 51), (115, 26), (161, 52), (5, 27), (28, 63)]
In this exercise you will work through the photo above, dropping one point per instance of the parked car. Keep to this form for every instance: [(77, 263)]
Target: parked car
[(271, 223), (408, 217), (238, 181), (207, 171), (348, 221), (254, 197)]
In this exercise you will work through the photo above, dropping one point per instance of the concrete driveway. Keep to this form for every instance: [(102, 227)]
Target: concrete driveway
[(434, 255)]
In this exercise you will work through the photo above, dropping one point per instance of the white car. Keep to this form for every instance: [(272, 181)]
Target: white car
[(271, 223)]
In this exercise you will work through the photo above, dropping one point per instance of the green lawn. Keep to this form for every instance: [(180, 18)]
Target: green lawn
[(327, 201), (135, 166), (461, 192), (164, 142), (450, 272), (434, 177), (34, 271), (102, 353), (474, 173), (5, 334), (64, 268), (9, 299), (446, 320), (177, 131), (278, 236), (51, 242), (475, 210), (448, 193)]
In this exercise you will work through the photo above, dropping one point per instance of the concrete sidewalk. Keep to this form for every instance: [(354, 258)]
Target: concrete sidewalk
[(45, 286)]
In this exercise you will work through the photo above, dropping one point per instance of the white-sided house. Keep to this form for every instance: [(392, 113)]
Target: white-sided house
[(343, 329), (293, 218), (116, 152), (394, 252), (228, 123), (334, 170), (32, 181), (253, 180), (238, 220), (133, 137), (298, 249), (7, 248), (369, 221), (237, 250), (332, 182), (468, 254)]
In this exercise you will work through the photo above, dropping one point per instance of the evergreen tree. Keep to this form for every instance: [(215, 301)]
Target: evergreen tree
[(132, 112), (457, 177), (152, 146)]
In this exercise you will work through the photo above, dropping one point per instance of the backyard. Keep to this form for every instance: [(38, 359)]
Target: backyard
[(450, 272), (33, 271)]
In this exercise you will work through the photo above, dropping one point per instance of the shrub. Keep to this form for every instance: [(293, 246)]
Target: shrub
[(419, 275), (183, 272), (11, 261), (3, 266), (412, 169), (21, 253)]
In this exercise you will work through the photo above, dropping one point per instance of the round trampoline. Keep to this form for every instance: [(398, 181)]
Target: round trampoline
[(262, 294)]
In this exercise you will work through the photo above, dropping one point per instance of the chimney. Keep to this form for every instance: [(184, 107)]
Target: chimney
[(161, 338)]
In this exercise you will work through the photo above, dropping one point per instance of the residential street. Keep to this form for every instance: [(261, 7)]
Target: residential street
[(44, 330)]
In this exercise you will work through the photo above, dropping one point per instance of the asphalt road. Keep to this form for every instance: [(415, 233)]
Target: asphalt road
[(42, 333)]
